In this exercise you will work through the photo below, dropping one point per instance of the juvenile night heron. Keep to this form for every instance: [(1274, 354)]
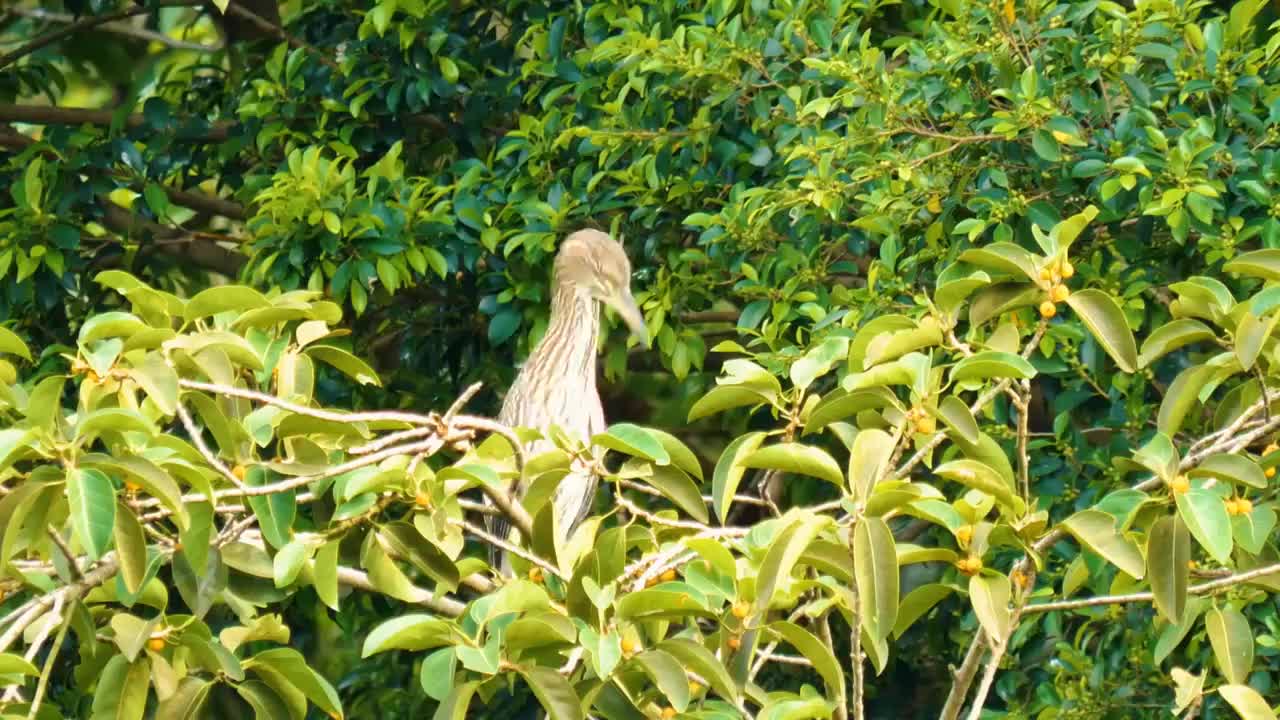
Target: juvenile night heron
[(557, 384)]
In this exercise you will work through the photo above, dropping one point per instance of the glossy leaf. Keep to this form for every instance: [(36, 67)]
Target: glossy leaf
[(1168, 566), (875, 563), (796, 458), (1097, 531), (1103, 317), (1206, 517), (92, 498), (1232, 642)]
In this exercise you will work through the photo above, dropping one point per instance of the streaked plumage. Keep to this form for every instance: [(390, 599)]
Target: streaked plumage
[(557, 384)]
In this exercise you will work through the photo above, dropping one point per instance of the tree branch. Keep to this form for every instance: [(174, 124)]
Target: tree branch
[(119, 28), (86, 24)]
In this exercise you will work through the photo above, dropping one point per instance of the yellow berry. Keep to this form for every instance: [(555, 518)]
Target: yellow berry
[(964, 534), (1180, 484), (535, 574), (1067, 269), (131, 487), (694, 687), (1060, 293), (422, 499), (1047, 310), (1269, 472), (1244, 506), (969, 566), (669, 575), (1270, 448), (740, 609), (156, 643), (239, 471), (629, 646), (1045, 274), (926, 425), (668, 712), (735, 642)]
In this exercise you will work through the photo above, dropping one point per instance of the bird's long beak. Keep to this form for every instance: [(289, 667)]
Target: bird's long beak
[(625, 304)]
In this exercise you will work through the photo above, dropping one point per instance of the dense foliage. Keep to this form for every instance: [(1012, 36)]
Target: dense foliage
[(895, 257)]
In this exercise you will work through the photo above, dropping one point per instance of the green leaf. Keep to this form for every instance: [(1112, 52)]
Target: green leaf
[(159, 381), (1247, 702), (403, 540), (1168, 558), (633, 440), (992, 364), (1230, 468), (122, 690), (681, 456), (796, 458), (288, 664), (957, 416), (680, 489), (12, 344), (326, 574), (352, 366), (1182, 395), (1097, 531), (555, 694), (455, 706), (787, 548), (1004, 257), (721, 398), (990, 597), (703, 662), (823, 659), (980, 476), (1263, 264), (109, 325), (1252, 530), (729, 471), (16, 665), (438, 672), (1251, 332), (875, 566), (288, 562), (667, 675), (92, 498), (839, 405), (918, 602), (1171, 336), (407, 632), (267, 704), (1207, 519), (870, 454), (131, 548), (1232, 642), (1106, 321), (224, 298)]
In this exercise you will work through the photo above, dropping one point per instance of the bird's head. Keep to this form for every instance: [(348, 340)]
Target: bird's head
[(597, 264)]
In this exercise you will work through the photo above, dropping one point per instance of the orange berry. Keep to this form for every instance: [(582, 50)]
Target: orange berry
[(422, 499), (651, 582), (669, 575), (1060, 293), (239, 471), (668, 712), (156, 643), (969, 566), (1067, 269), (735, 642), (926, 425), (1269, 472), (1047, 310), (740, 609), (1180, 484), (131, 487)]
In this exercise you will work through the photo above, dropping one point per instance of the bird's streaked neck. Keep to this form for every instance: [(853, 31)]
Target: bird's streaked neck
[(572, 334)]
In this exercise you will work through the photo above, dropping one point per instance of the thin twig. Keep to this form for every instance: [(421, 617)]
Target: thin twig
[(85, 24), (964, 677), (119, 28)]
